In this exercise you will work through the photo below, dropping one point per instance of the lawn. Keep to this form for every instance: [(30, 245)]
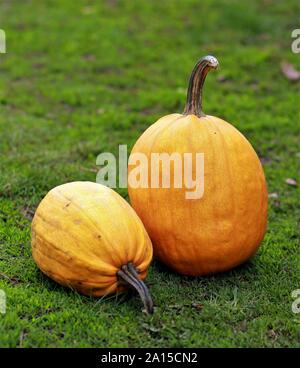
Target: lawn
[(81, 77)]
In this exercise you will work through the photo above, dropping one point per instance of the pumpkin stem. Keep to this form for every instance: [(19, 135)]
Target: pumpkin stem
[(197, 78), (128, 274)]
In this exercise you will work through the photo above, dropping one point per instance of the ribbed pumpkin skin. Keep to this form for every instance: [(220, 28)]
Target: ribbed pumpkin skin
[(224, 227), (83, 232)]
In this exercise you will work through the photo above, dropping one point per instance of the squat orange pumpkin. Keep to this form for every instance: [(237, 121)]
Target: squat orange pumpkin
[(86, 236), (224, 227)]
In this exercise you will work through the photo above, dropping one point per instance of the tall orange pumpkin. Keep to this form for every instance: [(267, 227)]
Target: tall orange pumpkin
[(224, 227)]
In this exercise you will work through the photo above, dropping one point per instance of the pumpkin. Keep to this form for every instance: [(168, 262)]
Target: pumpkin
[(87, 237), (224, 227)]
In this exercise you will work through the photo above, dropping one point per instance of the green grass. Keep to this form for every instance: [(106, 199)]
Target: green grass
[(81, 77)]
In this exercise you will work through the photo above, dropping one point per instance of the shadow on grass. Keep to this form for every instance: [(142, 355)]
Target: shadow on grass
[(242, 271), (160, 275), (128, 297)]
